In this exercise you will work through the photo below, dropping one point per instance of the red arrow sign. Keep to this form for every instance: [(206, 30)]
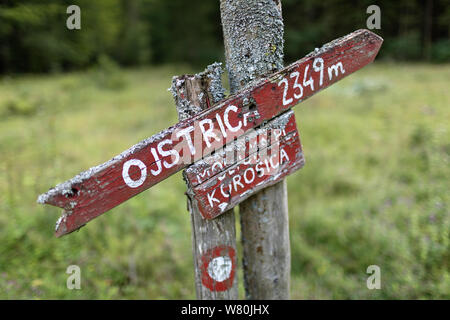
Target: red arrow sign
[(103, 187), (256, 160)]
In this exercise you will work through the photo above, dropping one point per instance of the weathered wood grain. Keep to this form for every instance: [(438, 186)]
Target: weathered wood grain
[(253, 36), (103, 187), (266, 246), (213, 241)]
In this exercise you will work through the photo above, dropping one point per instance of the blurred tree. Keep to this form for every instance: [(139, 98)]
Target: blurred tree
[(34, 37), (134, 45), (185, 31)]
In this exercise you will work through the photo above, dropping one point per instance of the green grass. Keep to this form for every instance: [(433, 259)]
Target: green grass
[(374, 191)]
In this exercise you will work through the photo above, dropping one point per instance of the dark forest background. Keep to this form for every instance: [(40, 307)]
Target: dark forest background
[(34, 37)]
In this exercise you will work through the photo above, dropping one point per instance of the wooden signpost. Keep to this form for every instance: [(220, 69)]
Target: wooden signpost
[(103, 187), (253, 36), (231, 149), (213, 241)]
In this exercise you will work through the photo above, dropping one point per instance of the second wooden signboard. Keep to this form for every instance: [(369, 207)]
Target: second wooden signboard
[(254, 161)]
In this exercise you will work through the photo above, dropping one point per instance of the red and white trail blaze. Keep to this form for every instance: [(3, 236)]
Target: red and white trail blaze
[(218, 268), (103, 187)]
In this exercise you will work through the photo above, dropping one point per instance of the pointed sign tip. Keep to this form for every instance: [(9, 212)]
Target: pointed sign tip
[(42, 199), (63, 228), (373, 34)]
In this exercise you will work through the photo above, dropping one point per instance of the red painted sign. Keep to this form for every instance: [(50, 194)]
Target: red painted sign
[(256, 160), (103, 187), (218, 268)]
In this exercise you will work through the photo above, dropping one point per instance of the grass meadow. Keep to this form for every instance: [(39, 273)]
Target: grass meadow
[(374, 190)]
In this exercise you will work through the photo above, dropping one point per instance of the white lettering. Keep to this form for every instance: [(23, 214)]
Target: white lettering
[(237, 181), (175, 155), (222, 129), (226, 195), (208, 133), (286, 87), (187, 137), (284, 155), (125, 174), (259, 170), (247, 180), (211, 198), (309, 82), (227, 121), (319, 69), (271, 162), (297, 85), (335, 68), (158, 163)]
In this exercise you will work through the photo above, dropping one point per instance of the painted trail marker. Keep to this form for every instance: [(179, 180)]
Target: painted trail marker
[(255, 161), (103, 187), (218, 268)]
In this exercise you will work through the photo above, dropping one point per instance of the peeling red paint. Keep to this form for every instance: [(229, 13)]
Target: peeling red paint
[(224, 268)]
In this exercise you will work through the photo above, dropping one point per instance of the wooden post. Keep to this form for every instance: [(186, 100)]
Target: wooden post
[(253, 37), (210, 238)]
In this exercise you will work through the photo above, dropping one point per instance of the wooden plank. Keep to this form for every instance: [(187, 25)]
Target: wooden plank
[(239, 149), (213, 241), (231, 176), (103, 187)]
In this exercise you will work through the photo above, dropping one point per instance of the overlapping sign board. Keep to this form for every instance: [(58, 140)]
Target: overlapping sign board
[(254, 161), (103, 187)]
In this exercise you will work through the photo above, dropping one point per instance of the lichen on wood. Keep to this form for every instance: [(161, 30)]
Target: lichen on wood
[(190, 105), (253, 36)]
